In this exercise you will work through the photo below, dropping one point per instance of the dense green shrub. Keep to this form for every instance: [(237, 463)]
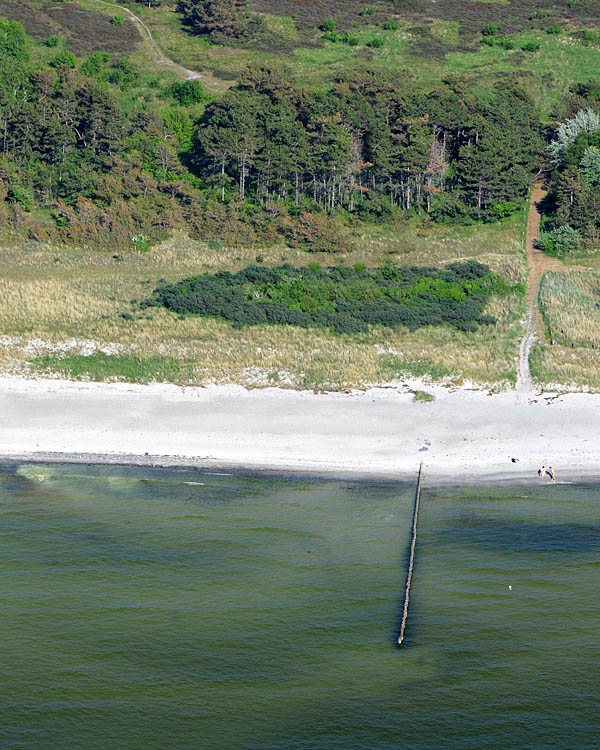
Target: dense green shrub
[(345, 300), (350, 39), (504, 209), (188, 92), (14, 42), (347, 38), (491, 29), (17, 194), (562, 241), (53, 41), (495, 41), (329, 25), (588, 36), (448, 208), (65, 59), (94, 64)]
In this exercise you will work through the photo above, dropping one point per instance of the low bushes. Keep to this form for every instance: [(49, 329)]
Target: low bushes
[(343, 299), (123, 367), (561, 241)]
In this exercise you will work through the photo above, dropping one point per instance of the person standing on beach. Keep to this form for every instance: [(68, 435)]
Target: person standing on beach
[(541, 471), (550, 473)]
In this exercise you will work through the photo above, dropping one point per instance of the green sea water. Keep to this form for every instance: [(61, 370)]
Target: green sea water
[(181, 609)]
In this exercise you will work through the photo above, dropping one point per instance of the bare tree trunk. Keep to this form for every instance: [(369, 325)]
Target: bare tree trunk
[(243, 161), (223, 180)]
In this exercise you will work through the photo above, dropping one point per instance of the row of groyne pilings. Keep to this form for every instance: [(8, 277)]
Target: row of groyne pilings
[(411, 560)]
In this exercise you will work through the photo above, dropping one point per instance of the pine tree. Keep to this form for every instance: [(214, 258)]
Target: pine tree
[(226, 18)]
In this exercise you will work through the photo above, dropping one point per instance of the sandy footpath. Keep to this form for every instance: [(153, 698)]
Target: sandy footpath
[(462, 435)]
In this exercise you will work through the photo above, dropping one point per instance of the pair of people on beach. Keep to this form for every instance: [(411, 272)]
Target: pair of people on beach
[(549, 471)]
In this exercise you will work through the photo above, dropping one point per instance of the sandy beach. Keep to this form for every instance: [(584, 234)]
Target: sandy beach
[(463, 435)]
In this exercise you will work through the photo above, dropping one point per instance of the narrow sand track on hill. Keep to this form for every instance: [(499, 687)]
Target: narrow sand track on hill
[(539, 264), (159, 57)]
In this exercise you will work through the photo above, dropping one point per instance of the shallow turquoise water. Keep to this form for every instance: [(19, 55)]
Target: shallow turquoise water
[(180, 609)]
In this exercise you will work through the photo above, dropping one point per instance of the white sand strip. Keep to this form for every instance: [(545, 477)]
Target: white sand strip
[(468, 434)]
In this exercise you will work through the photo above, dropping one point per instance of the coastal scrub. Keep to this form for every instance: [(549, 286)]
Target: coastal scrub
[(341, 299)]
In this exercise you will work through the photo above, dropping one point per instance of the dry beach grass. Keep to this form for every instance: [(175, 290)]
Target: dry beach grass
[(69, 301), (570, 304)]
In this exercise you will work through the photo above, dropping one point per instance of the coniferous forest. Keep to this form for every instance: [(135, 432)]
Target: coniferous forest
[(266, 161), (94, 151)]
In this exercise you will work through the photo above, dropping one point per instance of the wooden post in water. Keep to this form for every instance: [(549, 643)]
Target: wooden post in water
[(411, 558)]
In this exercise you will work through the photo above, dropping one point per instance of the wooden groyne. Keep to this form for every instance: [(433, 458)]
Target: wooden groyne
[(411, 558)]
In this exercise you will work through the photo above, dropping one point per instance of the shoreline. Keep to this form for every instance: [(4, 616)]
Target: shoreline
[(431, 478), (465, 436)]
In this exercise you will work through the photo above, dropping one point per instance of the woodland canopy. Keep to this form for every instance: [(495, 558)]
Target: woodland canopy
[(93, 151)]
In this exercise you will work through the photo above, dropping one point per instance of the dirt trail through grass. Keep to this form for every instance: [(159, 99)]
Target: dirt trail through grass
[(539, 264), (159, 57)]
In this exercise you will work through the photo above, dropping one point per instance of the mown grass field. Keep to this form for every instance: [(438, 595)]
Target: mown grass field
[(59, 304), (570, 356)]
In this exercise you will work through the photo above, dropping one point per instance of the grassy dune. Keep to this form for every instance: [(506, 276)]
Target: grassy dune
[(59, 304), (570, 302), (571, 307)]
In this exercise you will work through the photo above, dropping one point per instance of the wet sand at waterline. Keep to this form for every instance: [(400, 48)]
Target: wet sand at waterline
[(186, 609), (463, 435)]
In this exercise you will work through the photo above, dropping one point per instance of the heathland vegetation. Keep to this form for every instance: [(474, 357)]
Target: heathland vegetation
[(305, 141)]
